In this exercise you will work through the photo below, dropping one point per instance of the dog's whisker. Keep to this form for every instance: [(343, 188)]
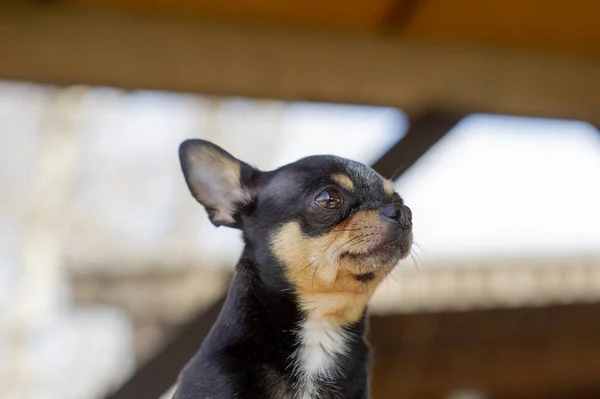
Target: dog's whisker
[(309, 265), (419, 246), (391, 276), (355, 229), (412, 256), (348, 242), (364, 238), (398, 169), (314, 274), (415, 254)]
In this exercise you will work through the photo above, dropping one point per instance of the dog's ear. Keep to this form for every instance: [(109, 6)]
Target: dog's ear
[(220, 182)]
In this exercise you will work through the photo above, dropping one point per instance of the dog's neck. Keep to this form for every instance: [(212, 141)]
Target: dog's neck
[(315, 357)]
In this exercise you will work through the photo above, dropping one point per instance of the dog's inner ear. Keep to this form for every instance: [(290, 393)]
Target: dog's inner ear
[(217, 180)]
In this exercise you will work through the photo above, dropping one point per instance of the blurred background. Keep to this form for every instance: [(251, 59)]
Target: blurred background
[(484, 113)]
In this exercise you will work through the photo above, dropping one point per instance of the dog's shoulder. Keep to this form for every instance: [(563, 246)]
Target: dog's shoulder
[(213, 384)]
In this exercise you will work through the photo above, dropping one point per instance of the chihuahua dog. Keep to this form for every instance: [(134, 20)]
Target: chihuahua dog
[(320, 234)]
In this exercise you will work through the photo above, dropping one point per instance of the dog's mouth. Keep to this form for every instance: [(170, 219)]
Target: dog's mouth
[(384, 256), (377, 257)]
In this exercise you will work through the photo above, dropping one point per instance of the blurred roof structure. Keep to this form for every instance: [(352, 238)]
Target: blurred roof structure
[(534, 58), (564, 26), (439, 60)]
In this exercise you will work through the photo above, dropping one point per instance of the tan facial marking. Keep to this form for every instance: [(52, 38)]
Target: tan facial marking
[(344, 181), (325, 283), (388, 187)]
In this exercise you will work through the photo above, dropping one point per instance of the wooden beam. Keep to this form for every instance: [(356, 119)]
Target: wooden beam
[(569, 27), (399, 15), (523, 353), (160, 372), (355, 15), (424, 131), (65, 45), (514, 23)]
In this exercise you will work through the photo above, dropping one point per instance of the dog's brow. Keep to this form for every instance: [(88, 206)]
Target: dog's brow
[(388, 186), (343, 180)]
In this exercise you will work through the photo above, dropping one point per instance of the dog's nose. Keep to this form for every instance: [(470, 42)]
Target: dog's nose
[(398, 213)]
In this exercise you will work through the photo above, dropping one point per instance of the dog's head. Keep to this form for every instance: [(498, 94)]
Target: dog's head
[(328, 228)]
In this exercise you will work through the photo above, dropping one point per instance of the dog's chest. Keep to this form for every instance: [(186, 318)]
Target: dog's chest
[(317, 361)]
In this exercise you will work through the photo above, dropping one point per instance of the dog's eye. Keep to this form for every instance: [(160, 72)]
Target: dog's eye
[(329, 199)]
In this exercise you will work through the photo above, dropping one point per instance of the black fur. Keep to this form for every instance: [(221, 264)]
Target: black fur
[(248, 353)]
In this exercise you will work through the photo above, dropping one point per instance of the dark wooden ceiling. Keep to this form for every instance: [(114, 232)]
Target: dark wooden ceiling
[(566, 26), (535, 57)]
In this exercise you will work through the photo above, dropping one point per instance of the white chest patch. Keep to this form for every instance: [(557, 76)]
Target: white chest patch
[(317, 359)]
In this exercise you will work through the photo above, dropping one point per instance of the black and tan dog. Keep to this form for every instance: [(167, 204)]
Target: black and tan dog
[(320, 235)]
